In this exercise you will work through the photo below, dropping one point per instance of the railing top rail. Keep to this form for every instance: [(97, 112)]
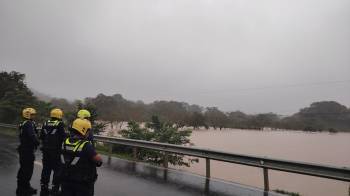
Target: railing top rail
[(325, 171), (8, 125), (138, 143)]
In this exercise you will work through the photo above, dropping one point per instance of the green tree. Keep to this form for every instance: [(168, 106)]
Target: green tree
[(134, 131), (215, 118), (111, 108), (325, 115), (14, 96), (158, 131), (260, 121), (170, 111), (196, 120)]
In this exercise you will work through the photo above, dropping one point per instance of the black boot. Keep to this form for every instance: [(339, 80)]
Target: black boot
[(21, 192), (25, 191), (55, 190), (44, 190), (31, 191)]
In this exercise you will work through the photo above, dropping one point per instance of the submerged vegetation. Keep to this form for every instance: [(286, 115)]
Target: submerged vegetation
[(283, 192)]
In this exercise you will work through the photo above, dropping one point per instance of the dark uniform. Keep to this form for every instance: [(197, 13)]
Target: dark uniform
[(52, 136), (28, 144), (79, 169), (91, 136)]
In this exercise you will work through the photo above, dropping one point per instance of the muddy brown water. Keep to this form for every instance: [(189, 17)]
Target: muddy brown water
[(321, 148)]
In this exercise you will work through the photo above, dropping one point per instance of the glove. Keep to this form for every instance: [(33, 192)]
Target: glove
[(99, 163)]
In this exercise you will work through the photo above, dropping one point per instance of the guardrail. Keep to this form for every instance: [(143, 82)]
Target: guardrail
[(8, 125), (323, 171)]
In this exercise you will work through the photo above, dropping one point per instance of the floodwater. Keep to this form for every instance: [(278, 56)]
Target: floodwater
[(321, 148)]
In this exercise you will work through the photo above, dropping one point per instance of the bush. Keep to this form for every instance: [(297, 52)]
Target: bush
[(158, 131)]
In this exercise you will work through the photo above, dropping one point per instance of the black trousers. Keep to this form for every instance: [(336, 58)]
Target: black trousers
[(25, 172), (77, 189), (51, 163)]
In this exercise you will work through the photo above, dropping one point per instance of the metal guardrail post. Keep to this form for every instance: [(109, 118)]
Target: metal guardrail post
[(110, 152), (134, 153), (166, 159), (266, 180), (207, 167), (207, 186)]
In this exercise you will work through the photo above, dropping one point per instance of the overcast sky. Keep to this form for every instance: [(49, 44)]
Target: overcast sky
[(249, 55)]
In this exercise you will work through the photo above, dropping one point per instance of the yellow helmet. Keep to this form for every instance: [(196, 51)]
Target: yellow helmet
[(56, 113), (82, 114), (87, 120), (28, 112), (82, 126)]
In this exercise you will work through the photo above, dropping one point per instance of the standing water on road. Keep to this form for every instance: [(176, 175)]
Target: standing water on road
[(320, 148)]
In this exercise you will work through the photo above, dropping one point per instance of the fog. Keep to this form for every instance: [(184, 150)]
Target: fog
[(249, 55)]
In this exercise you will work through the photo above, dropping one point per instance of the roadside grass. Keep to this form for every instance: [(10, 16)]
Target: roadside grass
[(103, 149)]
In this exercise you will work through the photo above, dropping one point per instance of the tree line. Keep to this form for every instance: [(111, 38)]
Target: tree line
[(324, 115), (15, 95)]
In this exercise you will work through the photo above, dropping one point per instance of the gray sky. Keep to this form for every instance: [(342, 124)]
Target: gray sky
[(249, 55)]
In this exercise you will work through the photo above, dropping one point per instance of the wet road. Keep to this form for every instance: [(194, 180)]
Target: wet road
[(125, 178)]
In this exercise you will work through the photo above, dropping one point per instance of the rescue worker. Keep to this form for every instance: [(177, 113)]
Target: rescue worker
[(52, 136), (28, 145), (79, 160), (85, 114)]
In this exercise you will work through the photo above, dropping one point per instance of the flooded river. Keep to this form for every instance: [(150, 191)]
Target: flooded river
[(320, 148)]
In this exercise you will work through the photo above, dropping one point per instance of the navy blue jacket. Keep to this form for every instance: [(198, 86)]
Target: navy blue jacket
[(28, 136)]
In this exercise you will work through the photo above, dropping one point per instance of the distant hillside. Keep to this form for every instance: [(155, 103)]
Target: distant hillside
[(324, 115), (41, 96), (62, 103), (15, 95)]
